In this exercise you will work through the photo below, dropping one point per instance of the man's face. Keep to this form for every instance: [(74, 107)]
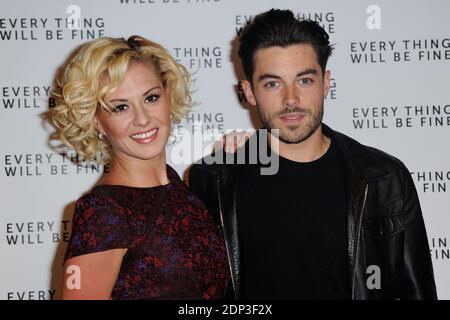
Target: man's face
[(288, 90)]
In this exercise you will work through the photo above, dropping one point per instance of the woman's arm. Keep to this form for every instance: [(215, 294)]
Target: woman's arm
[(92, 276)]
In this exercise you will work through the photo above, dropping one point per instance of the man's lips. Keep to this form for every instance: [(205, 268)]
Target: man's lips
[(292, 118)]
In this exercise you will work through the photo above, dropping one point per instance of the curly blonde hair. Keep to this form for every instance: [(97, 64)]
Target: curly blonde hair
[(81, 91)]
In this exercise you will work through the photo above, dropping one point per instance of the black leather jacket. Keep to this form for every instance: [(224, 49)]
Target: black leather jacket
[(385, 223)]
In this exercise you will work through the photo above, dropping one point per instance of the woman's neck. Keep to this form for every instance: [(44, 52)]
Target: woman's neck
[(136, 172)]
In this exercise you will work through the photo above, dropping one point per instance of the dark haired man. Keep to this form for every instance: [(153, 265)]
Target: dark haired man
[(339, 220)]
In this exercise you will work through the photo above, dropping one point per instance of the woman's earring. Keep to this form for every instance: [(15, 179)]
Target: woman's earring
[(100, 135), (172, 138)]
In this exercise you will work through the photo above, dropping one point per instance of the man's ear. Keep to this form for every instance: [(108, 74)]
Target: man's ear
[(326, 83), (248, 91)]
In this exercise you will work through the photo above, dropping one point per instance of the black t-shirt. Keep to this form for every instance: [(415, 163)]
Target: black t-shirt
[(293, 230)]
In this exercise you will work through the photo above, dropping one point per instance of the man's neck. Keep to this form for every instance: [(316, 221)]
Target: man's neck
[(306, 151)]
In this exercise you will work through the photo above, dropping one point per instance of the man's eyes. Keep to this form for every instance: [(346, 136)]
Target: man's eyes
[(306, 81), (302, 81), (271, 84)]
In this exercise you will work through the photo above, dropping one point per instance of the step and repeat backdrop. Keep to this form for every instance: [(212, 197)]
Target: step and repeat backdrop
[(390, 89)]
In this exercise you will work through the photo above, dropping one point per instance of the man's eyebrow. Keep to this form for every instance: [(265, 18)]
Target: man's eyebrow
[(265, 76), (307, 71), (268, 76)]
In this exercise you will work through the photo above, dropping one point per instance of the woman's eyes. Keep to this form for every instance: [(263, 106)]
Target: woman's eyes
[(152, 98), (123, 107), (120, 108)]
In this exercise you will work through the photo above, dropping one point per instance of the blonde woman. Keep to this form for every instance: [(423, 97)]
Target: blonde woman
[(139, 234)]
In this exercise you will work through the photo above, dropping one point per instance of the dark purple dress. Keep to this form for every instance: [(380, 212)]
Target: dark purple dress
[(175, 251)]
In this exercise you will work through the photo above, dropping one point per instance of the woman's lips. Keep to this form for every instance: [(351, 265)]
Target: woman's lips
[(145, 137)]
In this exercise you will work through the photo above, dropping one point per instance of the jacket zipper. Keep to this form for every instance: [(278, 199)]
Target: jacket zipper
[(366, 189), (226, 240)]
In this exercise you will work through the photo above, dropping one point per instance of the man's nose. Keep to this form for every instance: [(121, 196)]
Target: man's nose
[(291, 97)]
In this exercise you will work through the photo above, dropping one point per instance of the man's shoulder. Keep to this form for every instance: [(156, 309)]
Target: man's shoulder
[(368, 156)]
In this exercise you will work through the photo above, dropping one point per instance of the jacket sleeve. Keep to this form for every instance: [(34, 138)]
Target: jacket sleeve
[(417, 276), (202, 183)]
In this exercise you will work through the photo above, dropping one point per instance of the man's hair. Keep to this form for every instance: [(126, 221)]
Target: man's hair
[(280, 28)]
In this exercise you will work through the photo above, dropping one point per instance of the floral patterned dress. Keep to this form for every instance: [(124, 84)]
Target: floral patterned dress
[(175, 250)]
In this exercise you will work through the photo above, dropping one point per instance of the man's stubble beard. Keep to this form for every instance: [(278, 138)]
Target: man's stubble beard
[(293, 134)]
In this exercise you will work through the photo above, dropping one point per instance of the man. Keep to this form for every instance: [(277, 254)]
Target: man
[(338, 220)]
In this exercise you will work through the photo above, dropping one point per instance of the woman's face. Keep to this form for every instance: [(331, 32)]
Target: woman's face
[(139, 126)]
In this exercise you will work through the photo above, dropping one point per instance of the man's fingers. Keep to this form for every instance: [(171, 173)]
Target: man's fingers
[(233, 141), (230, 142)]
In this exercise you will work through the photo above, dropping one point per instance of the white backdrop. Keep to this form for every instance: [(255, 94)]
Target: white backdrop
[(390, 73)]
